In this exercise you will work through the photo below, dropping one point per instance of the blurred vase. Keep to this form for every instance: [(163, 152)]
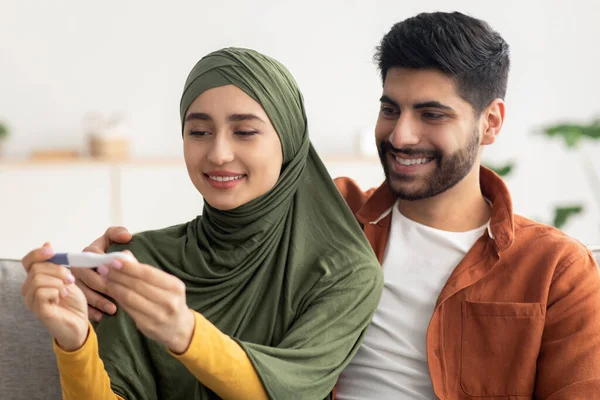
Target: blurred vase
[(107, 138)]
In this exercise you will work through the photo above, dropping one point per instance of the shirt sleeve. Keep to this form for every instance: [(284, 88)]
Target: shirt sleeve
[(220, 363), (82, 373), (569, 360)]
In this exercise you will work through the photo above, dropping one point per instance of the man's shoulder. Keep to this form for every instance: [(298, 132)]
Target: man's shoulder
[(548, 240), (353, 194)]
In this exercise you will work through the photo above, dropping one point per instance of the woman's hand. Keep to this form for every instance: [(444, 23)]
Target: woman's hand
[(154, 299), (50, 293)]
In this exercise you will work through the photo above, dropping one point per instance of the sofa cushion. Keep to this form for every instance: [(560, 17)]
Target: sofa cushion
[(27, 364)]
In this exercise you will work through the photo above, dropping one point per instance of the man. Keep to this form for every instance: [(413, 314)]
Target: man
[(478, 302)]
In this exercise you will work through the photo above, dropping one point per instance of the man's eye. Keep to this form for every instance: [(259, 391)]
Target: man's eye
[(432, 115), (388, 110), (198, 133)]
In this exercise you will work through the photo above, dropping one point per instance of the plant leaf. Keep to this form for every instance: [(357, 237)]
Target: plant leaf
[(572, 133), (3, 130), (563, 214), (502, 170)]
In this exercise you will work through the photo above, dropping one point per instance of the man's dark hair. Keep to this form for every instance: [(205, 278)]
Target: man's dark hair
[(464, 48)]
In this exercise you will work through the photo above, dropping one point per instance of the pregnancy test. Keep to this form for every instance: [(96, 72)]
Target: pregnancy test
[(88, 259)]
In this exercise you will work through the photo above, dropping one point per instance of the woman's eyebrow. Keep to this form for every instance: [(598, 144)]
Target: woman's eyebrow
[(200, 116), (244, 117)]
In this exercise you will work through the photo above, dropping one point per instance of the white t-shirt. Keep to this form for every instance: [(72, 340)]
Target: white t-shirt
[(392, 361)]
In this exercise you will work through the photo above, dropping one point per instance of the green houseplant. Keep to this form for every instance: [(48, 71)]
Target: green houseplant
[(562, 213), (3, 134), (575, 135), (3, 131)]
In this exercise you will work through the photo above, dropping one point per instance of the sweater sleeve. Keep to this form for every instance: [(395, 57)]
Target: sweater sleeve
[(82, 374), (220, 363)]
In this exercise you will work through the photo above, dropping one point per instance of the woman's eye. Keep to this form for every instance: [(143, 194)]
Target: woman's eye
[(246, 133)]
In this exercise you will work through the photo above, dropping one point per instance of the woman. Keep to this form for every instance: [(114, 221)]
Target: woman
[(266, 295)]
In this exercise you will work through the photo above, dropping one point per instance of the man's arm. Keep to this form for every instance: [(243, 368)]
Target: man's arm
[(91, 283), (569, 360)]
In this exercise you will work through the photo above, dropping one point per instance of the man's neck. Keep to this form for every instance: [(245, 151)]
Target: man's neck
[(459, 209)]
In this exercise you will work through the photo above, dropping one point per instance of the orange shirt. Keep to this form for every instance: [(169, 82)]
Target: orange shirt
[(520, 315)]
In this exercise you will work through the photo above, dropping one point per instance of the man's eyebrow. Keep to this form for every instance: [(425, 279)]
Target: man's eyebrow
[(418, 106), (385, 99), (432, 104)]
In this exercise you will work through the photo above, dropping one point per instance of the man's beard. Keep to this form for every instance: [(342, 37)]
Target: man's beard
[(450, 169)]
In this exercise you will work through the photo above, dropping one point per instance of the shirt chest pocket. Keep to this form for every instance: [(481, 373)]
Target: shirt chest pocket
[(500, 346)]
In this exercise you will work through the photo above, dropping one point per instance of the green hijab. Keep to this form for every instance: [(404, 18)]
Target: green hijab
[(289, 275)]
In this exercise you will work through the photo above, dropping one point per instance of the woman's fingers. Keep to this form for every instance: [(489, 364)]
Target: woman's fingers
[(36, 256), (39, 300), (47, 274), (143, 272), (42, 280), (134, 302)]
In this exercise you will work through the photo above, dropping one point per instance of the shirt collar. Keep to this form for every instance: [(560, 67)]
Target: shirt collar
[(500, 227)]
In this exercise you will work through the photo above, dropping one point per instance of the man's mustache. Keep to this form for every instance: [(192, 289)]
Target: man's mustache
[(386, 147)]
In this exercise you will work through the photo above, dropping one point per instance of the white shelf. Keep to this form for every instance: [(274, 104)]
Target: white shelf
[(71, 202)]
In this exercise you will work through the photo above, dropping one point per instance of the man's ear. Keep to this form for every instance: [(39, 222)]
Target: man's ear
[(492, 121)]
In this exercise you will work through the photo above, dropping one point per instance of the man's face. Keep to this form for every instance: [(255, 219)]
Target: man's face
[(427, 135)]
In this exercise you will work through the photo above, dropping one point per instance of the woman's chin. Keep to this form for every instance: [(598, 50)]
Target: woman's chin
[(227, 200), (223, 203)]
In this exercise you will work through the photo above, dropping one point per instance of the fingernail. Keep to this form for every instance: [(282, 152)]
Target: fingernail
[(64, 292), (116, 264), (47, 251), (102, 270), (70, 278)]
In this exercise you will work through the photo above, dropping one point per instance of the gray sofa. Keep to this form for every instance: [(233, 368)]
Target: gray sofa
[(27, 364)]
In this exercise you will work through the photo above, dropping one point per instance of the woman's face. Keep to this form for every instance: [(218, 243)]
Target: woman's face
[(232, 151)]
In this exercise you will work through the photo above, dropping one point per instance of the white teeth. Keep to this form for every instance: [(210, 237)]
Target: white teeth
[(225, 178), (412, 161)]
